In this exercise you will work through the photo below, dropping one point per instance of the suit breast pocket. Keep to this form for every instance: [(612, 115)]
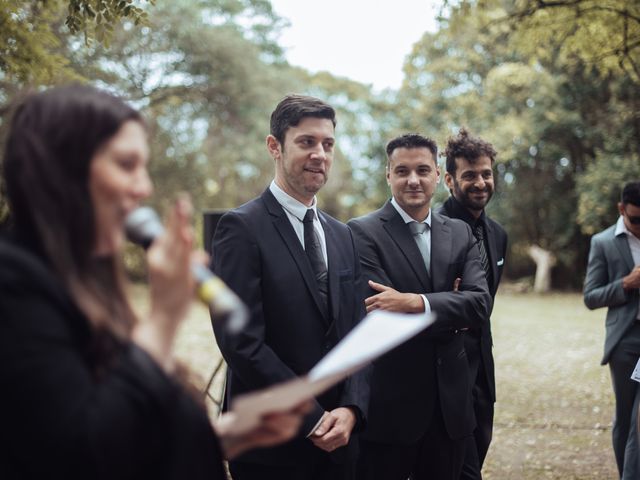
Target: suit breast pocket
[(345, 275)]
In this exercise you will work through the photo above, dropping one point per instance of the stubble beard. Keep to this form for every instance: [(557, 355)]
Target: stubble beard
[(464, 197)]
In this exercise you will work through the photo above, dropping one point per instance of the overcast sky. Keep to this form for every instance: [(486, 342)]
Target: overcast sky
[(363, 40)]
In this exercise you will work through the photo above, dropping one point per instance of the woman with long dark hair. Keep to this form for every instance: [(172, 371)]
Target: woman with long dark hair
[(87, 389)]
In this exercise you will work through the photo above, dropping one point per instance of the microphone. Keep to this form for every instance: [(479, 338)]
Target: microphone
[(143, 226)]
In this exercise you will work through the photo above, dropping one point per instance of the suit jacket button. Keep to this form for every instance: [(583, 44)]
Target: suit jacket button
[(439, 361)]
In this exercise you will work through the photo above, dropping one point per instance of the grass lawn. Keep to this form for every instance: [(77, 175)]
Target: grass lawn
[(555, 404)]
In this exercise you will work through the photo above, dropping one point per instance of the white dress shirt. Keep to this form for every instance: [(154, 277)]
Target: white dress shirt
[(296, 211), (634, 246)]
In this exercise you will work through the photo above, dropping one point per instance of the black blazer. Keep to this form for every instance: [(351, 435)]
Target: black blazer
[(67, 415), (257, 253), (497, 241), (430, 371)]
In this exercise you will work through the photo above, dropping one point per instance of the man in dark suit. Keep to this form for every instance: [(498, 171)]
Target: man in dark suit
[(417, 260), (297, 270), (613, 280), (469, 177)]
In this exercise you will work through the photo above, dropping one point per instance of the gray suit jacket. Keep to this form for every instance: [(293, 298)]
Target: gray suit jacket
[(609, 260), (431, 370)]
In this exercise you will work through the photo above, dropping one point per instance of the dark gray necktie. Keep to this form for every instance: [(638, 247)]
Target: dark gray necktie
[(478, 232), (419, 231), (313, 248)]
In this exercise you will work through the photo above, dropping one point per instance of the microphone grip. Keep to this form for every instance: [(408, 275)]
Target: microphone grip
[(223, 303)]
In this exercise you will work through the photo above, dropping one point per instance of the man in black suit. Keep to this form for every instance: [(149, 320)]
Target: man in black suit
[(469, 177), (297, 270), (416, 260)]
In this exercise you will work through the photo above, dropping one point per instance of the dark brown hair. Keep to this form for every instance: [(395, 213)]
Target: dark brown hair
[(293, 108), (631, 194), (412, 140), (53, 137)]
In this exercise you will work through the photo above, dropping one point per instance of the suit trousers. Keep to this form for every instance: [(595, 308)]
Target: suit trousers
[(483, 408), (320, 467), (627, 393), (434, 457)]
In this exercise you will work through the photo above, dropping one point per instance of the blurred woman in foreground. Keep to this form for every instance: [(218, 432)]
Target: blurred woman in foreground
[(88, 390)]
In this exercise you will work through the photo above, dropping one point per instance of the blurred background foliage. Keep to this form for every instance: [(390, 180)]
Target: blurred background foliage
[(554, 85)]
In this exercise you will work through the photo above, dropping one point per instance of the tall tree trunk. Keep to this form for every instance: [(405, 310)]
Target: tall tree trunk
[(544, 260)]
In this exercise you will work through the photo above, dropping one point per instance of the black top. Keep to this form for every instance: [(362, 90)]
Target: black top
[(60, 420), (495, 240), (454, 209)]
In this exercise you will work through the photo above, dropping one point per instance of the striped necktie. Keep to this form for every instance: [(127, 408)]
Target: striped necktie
[(478, 232), (313, 249)]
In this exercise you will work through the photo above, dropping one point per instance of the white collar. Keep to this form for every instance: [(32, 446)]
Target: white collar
[(622, 228), (290, 204), (406, 217)]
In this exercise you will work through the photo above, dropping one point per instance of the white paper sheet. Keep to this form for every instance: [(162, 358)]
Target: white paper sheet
[(375, 335)]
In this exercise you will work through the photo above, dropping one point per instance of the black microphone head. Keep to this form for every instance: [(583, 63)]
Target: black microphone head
[(142, 226)]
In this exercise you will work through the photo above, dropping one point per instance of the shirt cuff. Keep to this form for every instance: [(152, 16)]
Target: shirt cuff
[(427, 305)]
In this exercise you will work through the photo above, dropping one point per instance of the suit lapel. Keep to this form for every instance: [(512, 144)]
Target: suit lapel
[(440, 252), (623, 246), (283, 226), (493, 253), (401, 235)]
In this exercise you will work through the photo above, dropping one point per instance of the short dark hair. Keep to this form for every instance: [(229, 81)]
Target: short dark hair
[(412, 140), (468, 147), (631, 194), (293, 108)]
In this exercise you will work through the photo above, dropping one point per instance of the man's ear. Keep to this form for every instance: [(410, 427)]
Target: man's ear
[(621, 208), (273, 146), (448, 180)]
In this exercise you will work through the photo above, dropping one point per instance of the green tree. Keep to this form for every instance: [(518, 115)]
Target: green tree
[(29, 34), (600, 33), (548, 115), (205, 86)]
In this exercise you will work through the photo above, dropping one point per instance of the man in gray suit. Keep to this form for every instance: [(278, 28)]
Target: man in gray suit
[(613, 280), (416, 260)]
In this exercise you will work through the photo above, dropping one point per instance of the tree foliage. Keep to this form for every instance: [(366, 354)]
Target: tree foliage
[(600, 33), (30, 41), (29, 46), (96, 19), (552, 84), (557, 118)]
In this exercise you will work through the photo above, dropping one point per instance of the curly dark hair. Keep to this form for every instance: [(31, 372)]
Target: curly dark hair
[(468, 147)]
